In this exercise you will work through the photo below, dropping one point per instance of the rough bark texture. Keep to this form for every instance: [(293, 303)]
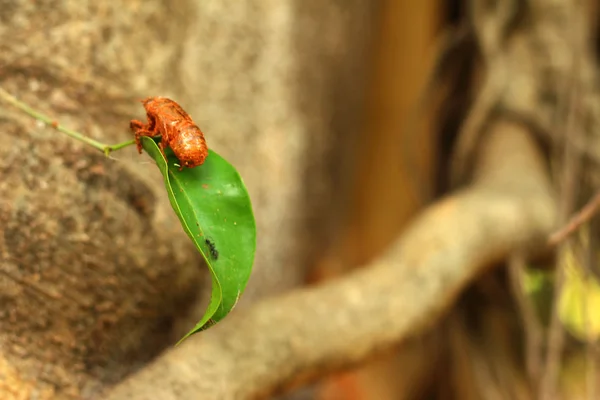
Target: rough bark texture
[(94, 268), (314, 331)]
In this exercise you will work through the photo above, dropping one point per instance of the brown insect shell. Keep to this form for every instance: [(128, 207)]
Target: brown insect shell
[(189, 146), (177, 129)]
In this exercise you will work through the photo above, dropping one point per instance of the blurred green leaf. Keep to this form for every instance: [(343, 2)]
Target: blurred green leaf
[(214, 208)]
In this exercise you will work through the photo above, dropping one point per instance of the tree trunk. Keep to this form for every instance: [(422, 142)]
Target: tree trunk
[(97, 276)]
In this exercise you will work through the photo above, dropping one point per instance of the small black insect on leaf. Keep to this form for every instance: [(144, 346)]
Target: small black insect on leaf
[(214, 253)]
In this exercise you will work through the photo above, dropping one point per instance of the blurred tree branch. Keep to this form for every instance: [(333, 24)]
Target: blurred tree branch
[(287, 340)]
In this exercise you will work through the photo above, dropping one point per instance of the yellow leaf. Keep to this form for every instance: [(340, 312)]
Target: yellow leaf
[(579, 303)]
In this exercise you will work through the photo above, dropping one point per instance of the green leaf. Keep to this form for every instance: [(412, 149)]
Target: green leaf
[(214, 208)]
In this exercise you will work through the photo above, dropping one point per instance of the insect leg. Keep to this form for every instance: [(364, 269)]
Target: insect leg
[(139, 131), (151, 123), (136, 125), (162, 146)]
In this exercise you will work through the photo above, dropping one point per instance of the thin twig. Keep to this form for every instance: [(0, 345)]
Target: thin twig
[(591, 348), (445, 48), (569, 188), (531, 324), (556, 331), (489, 35), (103, 147), (594, 367), (581, 217)]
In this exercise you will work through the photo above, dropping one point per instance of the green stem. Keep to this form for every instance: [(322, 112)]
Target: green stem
[(103, 147), (118, 146)]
